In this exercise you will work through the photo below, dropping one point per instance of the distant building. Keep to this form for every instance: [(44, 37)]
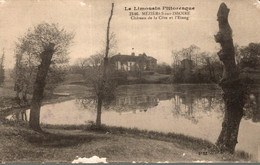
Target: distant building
[(132, 63)]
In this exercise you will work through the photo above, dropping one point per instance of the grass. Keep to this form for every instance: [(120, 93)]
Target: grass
[(183, 141), (155, 78), (61, 143)]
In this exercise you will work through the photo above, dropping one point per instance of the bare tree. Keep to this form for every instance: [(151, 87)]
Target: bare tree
[(49, 44), (81, 65), (176, 58), (211, 64), (185, 53), (232, 86), (112, 45), (98, 72), (104, 83)]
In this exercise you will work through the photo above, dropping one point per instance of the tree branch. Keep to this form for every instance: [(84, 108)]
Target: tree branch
[(108, 28)]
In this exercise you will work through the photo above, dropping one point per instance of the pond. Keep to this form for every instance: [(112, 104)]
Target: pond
[(194, 110)]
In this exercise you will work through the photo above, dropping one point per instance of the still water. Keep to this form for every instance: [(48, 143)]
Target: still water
[(194, 110)]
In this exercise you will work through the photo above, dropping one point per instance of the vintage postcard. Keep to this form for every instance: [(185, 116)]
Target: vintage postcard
[(129, 81)]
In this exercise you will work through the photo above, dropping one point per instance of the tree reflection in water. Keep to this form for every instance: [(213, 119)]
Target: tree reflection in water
[(252, 105), (187, 102)]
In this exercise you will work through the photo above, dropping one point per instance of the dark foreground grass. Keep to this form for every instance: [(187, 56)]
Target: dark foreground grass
[(58, 140), (184, 140), (61, 143), (188, 142)]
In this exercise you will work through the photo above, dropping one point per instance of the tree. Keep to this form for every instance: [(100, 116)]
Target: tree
[(94, 75), (203, 66), (25, 71), (176, 58), (186, 53), (183, 64), (250, 55), (46, 44), (81, 66), (112, 45), (211, 65), (94, 71), (104, 84), (2, 70), (163, 68), (232, 86), (99, 73)]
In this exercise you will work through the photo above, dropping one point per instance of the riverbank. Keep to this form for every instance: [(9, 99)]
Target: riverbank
[(8, 104), (63, 143)]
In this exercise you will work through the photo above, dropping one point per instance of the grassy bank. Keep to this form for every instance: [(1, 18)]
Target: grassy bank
[(63, 143)]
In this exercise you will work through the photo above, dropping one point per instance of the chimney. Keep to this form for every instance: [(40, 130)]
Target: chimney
[(133, 53)]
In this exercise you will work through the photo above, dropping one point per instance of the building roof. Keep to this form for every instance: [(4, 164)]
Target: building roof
[(123, 57)]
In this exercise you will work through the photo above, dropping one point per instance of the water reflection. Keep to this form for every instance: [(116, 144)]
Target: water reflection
[(188, 101), (252, 106)]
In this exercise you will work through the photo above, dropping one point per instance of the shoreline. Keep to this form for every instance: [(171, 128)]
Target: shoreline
[(57, 135)]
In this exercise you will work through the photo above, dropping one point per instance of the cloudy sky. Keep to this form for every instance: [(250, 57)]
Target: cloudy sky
[(157, 38)]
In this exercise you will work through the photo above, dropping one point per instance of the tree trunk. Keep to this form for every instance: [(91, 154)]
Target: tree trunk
[(232, 86), (213, 74), (101, 94), (99, 106), (25, 101), (234, 102), (39, 85)]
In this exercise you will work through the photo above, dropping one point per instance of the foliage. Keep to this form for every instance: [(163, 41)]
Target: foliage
[(163, 68), (28, 57), (185, 53), (250, 55), (80, 66), (196, 66), (94, 76)]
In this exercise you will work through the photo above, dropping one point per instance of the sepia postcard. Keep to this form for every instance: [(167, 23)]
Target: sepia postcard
[(129, 81)]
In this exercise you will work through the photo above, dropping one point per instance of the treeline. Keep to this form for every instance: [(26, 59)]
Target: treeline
[(193, 66), (190, 65)]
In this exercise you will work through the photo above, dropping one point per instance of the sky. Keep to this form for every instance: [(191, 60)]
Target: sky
[(157, 38)]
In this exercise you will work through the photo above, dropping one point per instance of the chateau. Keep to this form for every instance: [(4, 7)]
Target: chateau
[(133, 63)]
